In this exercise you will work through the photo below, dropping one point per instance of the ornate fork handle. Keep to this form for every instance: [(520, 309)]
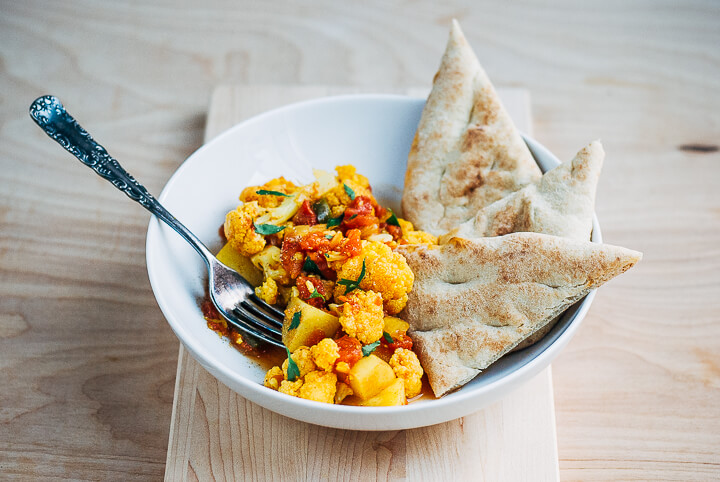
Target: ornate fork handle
[(51, 116)]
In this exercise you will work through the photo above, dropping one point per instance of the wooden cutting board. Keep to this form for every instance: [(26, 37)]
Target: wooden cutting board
[(216, 434)]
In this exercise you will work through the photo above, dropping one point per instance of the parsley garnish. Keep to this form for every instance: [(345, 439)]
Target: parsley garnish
[(335, 221), (350, 284), (295, 320), (349, 191), (293, 372), (267, 228), (315, 294), (393, 220), (352, 217), (387, 337), (310, 266), (263, 192), (367, 349)]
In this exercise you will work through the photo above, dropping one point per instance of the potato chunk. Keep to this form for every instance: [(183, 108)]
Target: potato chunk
[(394, 325), (369, 376), (315, 324), (391, 396), (231, 257)]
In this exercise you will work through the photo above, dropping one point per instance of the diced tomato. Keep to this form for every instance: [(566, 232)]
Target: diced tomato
[(315, 242), (351, 245), (359, 213), (380, 211), (322, 265), (394, 231), (350, 350), (305, 215), (291, 256), (401, 341), (306, 292)]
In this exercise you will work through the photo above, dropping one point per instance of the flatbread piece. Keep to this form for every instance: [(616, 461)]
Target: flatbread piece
[(466, 152), (561, 203), (475, 300)]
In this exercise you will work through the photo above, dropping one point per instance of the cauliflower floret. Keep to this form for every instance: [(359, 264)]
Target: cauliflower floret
[(273, 378), (319, 386), (407, 367), (362, 316), (268, 291), (338, 198), (270, 262), (280, 184), (349, 173), (386, 272), (303, 360), (411, 236), (325, 353), (291, 388), (342, 390), (240, 232)]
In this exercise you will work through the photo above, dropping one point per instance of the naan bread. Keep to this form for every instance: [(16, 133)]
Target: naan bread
[(561, 203), (475, 300), (467, 152)]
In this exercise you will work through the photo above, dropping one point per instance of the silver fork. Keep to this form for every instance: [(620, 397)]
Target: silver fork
[(232, 295)]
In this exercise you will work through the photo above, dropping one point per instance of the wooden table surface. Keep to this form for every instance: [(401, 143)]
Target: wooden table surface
[(87, 362)]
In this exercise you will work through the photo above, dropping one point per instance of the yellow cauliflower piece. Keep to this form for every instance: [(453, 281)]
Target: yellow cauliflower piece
[(325, 353), (280, 184), (273, 378), (319, 386), (362, 316), (303, 360), (268, 291), (411, 236), (342, 390), (407, 367), (386, 272), (269, 261), (240, 232), (349, 173), (338, 198), (291, 388)]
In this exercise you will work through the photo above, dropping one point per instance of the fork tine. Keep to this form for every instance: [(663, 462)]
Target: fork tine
[(259, 324), (267, 307), (260, 313), (248, 326)]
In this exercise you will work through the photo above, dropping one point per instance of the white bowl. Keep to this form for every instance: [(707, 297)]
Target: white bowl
[(372, 132)]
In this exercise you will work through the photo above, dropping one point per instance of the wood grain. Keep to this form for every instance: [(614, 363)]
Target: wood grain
[(86, 361), (216, 434)]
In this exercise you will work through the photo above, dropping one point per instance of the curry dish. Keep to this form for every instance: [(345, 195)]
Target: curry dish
[(327, 252)]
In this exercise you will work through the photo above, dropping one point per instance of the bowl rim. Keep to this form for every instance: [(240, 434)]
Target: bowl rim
[(264, 395)]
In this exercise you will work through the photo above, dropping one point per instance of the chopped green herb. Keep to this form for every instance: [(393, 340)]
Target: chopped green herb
[(265, 229), (335, 221), (349, 191), (310, 266), (315, 294), (350, 284), (295, 322), (329, 236), (352, 217), (366, 350), (293, 372), (264, 192), (393, 220), (386, 335)]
